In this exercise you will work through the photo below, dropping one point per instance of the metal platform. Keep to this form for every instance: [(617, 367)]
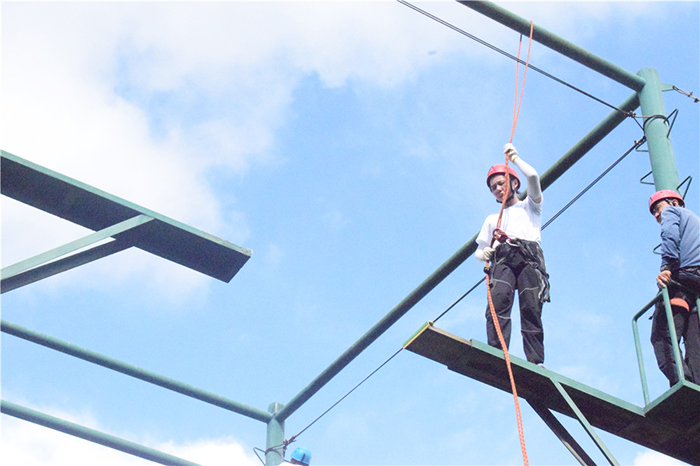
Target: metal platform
[(132, 225), (670, 424)]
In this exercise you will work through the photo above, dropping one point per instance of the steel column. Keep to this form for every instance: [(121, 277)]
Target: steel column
[(656, 129), (274, 451), (91, 435), (556, 43)]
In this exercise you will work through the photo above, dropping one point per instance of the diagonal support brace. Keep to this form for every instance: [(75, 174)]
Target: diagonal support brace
[(586, 425), (41, 266), (562, 434)]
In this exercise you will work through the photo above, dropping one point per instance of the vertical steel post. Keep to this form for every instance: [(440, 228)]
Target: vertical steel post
[(274, 451), (656, 130)]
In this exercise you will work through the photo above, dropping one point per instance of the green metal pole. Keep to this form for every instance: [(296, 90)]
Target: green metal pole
[(556, 43), (656, 129), (91, 435), (274, 452), (133, 371), (673, 335), (585, 424)]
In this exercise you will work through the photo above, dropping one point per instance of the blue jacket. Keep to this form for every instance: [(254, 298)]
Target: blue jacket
[(680, 239)]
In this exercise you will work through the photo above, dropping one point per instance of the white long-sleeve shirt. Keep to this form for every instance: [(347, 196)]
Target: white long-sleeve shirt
[(522, 220)]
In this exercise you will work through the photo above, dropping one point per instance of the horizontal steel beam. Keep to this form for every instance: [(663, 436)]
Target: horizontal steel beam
[(556, 43), (133, 371), (91, 435)]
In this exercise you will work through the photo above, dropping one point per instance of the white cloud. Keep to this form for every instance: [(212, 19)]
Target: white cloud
[(652, 458), (144, 100), (29, 444)]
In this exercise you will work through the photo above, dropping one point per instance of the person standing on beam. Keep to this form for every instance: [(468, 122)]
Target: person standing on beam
[(680, 261), (510, 241)]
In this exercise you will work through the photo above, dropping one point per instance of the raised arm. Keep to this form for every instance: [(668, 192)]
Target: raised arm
[(534, 190)]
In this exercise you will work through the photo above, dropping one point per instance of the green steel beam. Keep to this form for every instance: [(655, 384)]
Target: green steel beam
[(556, 43), (638, 347), (656, 129), (274, 452), (596, 135), (673, 335), (562, 434), (92, 435), (664, 296), (380, 327), (15, 269), (94, 209), (62, 265), (584, 422), (551, 175), (133, 371)]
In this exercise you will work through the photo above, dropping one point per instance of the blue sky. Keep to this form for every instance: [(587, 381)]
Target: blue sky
[(346, 144)]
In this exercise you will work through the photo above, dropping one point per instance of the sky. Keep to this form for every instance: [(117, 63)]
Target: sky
[(346, 145)]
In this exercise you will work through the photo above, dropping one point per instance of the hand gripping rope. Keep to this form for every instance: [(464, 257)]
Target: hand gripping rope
[(499, 235)]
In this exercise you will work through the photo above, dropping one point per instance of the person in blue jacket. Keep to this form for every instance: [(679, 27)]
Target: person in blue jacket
[(680, 262)]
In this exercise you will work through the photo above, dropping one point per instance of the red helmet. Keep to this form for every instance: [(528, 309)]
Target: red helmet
[(664, 194), (501, 170)]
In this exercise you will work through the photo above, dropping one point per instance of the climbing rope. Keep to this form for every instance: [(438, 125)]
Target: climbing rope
[(499, 235), (519, 99), (497, 325)]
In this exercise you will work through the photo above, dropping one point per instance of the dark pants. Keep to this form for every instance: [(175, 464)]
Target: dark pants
[(506, 275), (687, 327)]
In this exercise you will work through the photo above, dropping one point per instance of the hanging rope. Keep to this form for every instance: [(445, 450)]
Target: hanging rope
[(497, 325), (498, 232), (519, 100)]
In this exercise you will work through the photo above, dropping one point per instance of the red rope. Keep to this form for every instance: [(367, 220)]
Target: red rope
[(497, 325), (518, 101)]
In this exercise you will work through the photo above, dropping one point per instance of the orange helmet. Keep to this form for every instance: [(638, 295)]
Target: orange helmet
[(664, 194), (501, 169)]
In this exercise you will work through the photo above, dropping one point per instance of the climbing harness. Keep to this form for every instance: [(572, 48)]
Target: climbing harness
[(500, 236)]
